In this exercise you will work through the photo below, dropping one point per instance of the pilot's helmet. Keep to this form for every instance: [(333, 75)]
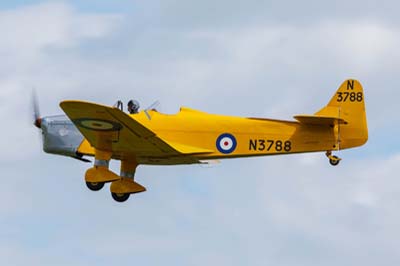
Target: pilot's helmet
[(133, 106)]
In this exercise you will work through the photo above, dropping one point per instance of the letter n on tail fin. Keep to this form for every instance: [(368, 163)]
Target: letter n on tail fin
[(348, 104)]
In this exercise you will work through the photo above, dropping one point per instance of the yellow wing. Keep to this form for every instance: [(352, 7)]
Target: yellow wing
[(110, 129)]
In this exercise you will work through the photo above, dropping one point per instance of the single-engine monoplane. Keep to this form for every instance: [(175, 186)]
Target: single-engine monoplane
[(194, 137)]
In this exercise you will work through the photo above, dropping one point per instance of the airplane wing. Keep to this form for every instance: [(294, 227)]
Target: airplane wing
[(110, 129), (319, 120)]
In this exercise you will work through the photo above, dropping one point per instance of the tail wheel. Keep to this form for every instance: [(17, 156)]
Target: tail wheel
[(334, 160), (120, 197), (95, 186)]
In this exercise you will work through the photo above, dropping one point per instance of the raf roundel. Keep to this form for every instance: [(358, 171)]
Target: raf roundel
[(226, 143), (98, 124)]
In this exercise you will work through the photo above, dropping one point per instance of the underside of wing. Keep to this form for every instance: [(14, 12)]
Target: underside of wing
[(110, 129), (186, 149), (319, 120)]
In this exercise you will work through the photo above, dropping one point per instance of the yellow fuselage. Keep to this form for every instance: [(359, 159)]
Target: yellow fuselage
[(253, 136), (191, 136)]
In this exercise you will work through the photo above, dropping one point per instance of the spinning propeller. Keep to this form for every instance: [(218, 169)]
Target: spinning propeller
[(44, 132), (37, 120)]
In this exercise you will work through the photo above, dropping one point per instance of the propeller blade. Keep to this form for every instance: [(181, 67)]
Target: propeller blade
[(36, 112)]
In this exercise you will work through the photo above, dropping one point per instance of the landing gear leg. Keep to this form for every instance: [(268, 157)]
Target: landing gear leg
[(333, 160), (99, 174), (123, 188)]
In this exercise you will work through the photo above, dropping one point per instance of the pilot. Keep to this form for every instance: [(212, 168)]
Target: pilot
[(133, 107)]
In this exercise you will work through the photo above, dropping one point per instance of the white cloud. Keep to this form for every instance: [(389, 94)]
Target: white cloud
[(358, 46), (275, 69), (257, 212), (34, 28), (337, 208), (293, 210), (29, 34)]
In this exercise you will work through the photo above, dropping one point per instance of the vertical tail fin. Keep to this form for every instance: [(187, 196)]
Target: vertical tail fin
[(348, 104)]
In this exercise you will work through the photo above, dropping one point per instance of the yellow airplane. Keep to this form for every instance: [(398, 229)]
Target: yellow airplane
[(192, 137)]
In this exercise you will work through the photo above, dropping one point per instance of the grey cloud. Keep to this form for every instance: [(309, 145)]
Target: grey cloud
[(233, 14)]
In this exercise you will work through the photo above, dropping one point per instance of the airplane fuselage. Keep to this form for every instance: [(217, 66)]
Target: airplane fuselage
[(229, 136)]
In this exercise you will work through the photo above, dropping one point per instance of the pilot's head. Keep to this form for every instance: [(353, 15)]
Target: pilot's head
[(133, 107)]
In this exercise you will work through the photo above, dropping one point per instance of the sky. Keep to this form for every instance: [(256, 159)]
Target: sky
[(254, 58)]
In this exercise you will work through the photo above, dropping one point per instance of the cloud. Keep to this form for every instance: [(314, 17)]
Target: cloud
[(257, 212), (267, 69), (289, 210), (29, 36), (32, 29), (173, 14)]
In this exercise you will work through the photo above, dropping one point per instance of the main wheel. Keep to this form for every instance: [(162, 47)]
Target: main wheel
[(120, 197), (334, 161), (95, 186)]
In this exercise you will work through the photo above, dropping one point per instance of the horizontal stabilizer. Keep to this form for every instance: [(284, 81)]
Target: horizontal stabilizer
[(319, 120)]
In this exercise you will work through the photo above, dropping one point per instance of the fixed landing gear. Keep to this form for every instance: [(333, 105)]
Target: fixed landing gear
[(95, 186), (333, 159), (120, 197), (121, 189), (122, 186)]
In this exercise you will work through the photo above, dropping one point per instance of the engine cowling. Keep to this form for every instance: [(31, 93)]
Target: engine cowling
[(60, 136)]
